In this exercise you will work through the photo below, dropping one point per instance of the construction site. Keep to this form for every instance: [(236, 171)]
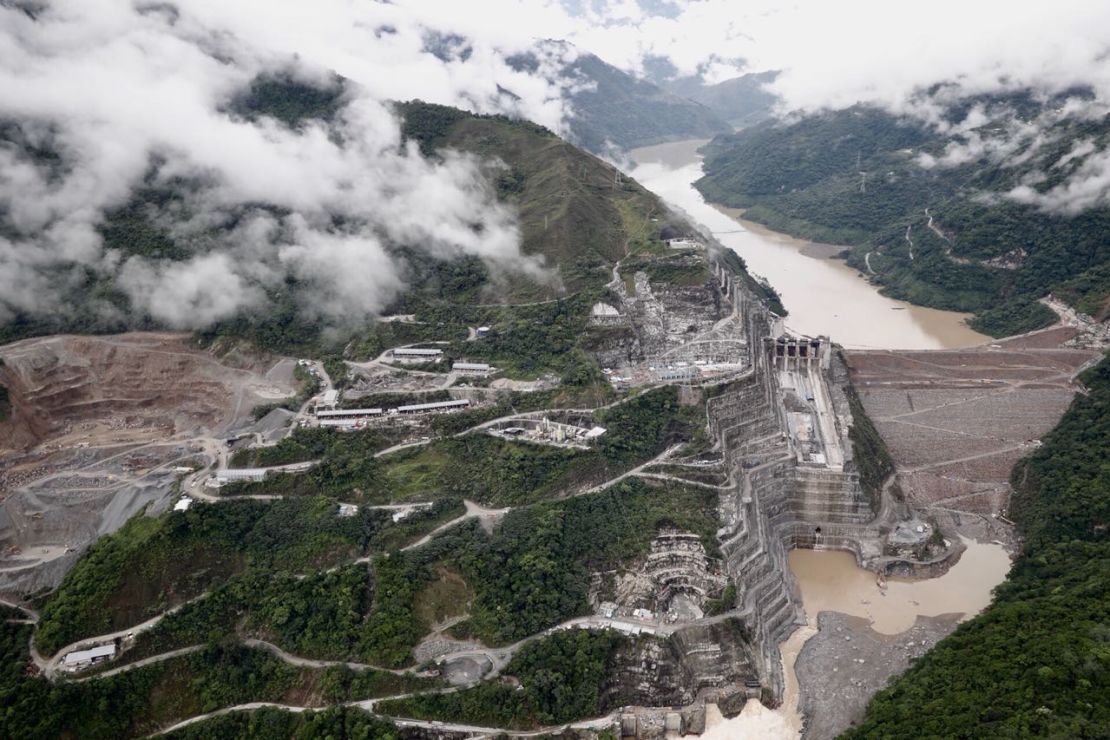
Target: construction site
[(99, 430), (107, 426), (547, 432)]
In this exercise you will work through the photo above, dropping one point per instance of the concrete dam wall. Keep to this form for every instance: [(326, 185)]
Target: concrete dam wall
[(778, 503)]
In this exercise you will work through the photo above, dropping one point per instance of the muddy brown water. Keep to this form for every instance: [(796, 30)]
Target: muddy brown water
[(823, 295), (830, 580), (826, 297)]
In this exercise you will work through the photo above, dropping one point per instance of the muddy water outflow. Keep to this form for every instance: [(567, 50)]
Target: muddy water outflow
[(823, 295), (831, 581)]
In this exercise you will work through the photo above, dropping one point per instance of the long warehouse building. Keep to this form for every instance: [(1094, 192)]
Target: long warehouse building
[(347, 413), (416, 352), (419, 408)]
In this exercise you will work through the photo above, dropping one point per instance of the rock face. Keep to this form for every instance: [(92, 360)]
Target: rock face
[(673, 581), (655, 672)]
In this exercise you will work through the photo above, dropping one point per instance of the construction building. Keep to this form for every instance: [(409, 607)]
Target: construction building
[(416, 354), (685, 243), (79, 659), (425, 408), (349, 413), (546, 431), (678, 373), (229, 475), (471, 368)]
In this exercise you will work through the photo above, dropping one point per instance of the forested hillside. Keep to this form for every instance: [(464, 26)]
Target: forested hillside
[(1036, 663), (932, 210), (576, 216)]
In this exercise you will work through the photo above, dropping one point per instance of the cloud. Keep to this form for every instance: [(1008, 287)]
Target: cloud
[(1087, 187), (134, 93), (131, 94)]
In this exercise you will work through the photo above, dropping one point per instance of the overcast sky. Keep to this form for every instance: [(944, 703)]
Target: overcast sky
[(127, 89)]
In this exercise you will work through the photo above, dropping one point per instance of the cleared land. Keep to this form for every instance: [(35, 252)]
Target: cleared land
[(957, 421), (98, 425)]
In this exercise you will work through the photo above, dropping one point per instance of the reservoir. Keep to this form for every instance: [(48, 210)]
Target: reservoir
[(822, 295)]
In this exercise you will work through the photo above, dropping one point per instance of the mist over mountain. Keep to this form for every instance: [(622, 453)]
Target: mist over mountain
[(613, 110), (999, 201)]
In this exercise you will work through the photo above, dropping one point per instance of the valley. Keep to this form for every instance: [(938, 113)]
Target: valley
[(625, 495)]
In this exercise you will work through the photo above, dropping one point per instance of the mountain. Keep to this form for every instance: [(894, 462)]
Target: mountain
[(574, 213), (615, 109), (970, 215), (742, 101)]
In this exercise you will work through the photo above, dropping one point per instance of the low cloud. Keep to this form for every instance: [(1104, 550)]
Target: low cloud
[(98, 98)]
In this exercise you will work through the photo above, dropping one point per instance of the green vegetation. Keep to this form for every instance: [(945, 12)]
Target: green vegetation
[(869, 451), (1089, 292), (560, 677), (137, 702), (152, 564), (1035, 663), (804, 179), (290, 101), (277, 724), (352, 613), (144, 700), (534, 572)]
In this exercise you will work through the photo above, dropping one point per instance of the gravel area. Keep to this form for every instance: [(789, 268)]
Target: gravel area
[(846, 662)]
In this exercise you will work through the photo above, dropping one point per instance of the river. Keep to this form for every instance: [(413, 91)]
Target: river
[(822, 295), (826, 297)]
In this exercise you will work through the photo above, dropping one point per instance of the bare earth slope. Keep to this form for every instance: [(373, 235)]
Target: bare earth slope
[(957, 421), (97, 426)]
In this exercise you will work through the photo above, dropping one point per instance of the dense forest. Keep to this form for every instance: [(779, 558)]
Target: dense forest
[(147, 699), (939, 231), (1036, 663), (154, 563), (560, 678)]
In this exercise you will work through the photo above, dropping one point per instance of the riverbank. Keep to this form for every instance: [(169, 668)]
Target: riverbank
[(823, 296)]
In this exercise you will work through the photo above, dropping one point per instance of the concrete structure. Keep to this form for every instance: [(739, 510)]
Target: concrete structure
[(346, 510), (349, 413), (183, 503), (547, 432), (342, 423), (685, 243), (603, 314), (690, 373), (411, 354), (81, 658), (227, 475), (482, 332), (471, 368), (424, 408)]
